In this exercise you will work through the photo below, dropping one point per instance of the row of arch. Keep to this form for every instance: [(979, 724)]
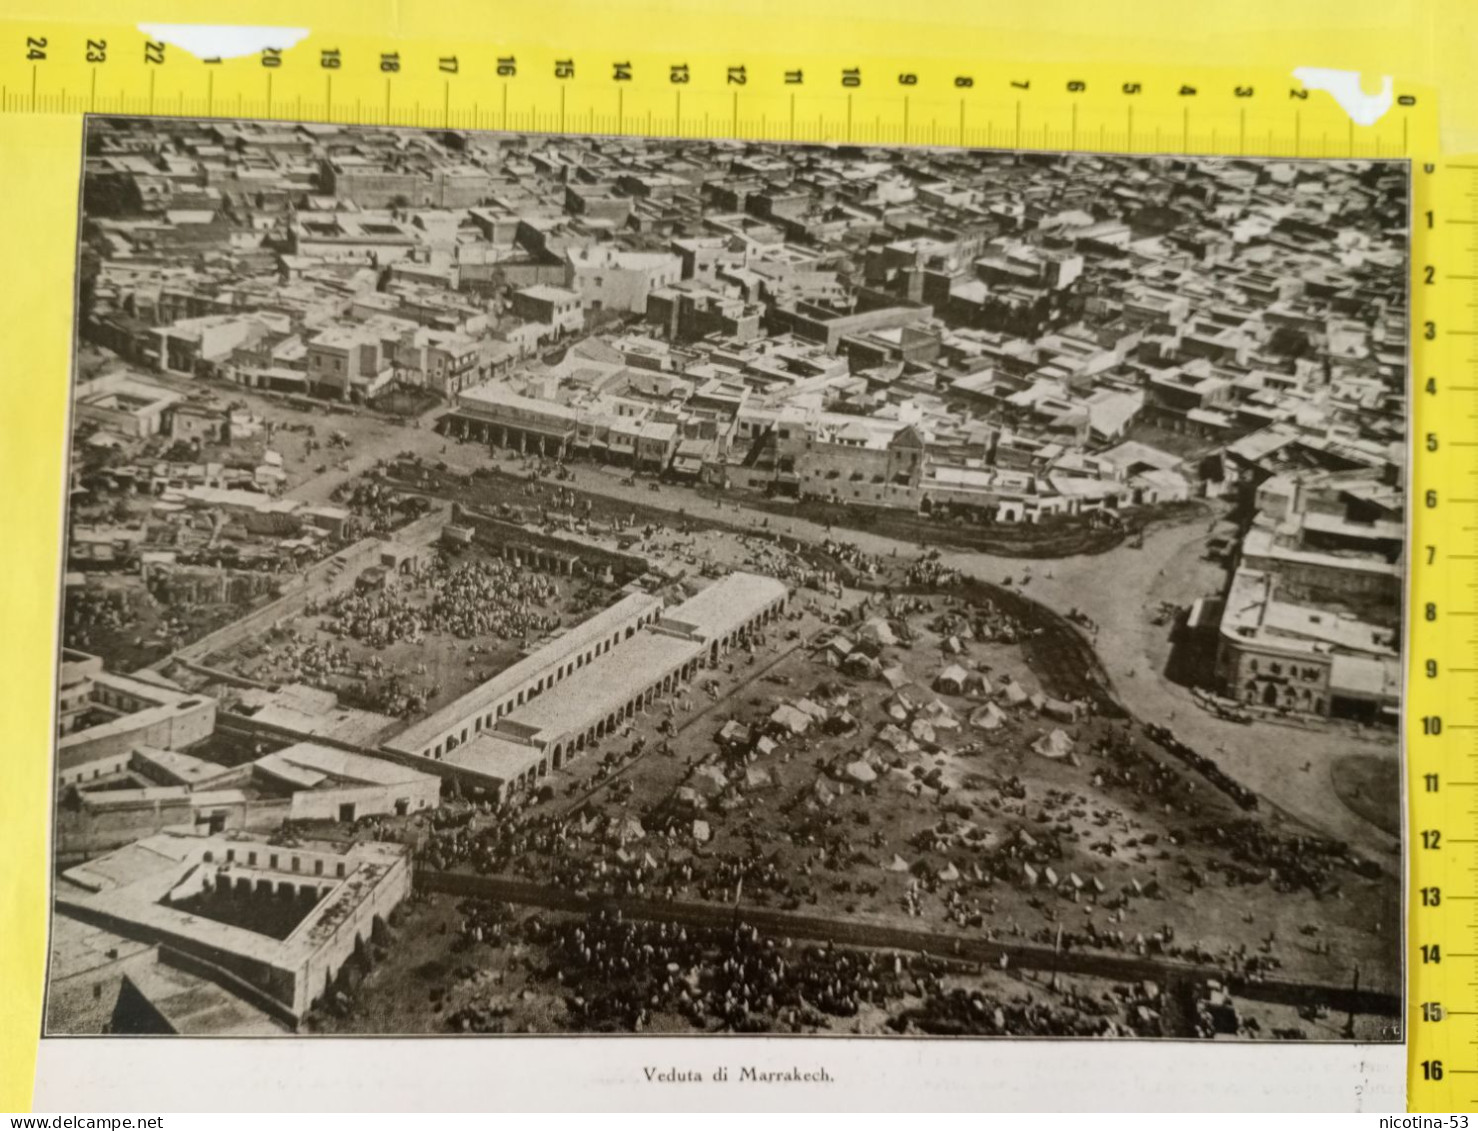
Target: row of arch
[(241, 886), (488, 720), (565, 750)]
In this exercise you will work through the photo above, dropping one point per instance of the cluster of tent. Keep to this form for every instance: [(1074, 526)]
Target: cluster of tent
[(987, 623)]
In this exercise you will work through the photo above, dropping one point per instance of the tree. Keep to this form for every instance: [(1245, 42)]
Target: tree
[(1289, 342)]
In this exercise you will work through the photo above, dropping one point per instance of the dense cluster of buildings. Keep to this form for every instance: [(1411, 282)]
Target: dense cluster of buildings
[(213, 935), (1311, 620), (1002, 335), (994, 337), (183, 908), (129, 746), (510, 731)]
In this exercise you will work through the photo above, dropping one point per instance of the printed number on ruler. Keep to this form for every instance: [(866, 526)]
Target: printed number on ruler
[(468, 84), (1442, 709)]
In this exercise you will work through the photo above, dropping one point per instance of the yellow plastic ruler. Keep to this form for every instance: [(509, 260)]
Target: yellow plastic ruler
[(689, 78), (1442, 667)]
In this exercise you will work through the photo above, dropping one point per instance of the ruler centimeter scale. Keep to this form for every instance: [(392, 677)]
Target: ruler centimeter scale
[(1442, 659), (814, 95)]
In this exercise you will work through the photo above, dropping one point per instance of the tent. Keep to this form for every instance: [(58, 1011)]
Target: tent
[(815, 710), (897, 864), (860, 664), (860, 772), (840, 646), (895, 675), (892, 737), (701, 832), (952, 680), (988, 717), (734, 732), (1061, 710), (939, 713), (709, 781), (921, 730), (879, 631), (949, 873), (626, 828), (765, 746), (1056, 745), (790, 719), (756, 778), (1015, 694)]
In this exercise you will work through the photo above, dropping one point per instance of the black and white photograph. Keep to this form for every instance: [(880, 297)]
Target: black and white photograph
[(544, 584)]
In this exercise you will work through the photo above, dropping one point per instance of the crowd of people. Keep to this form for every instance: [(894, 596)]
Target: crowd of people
[(1203, 765), (379, 508), (91, 610), (929, 572), (624, 975), (288, 655), (853, 558), (977, 885), (619, 972), (467, 599), (953, 881), (1287, 862), (954, 1010)]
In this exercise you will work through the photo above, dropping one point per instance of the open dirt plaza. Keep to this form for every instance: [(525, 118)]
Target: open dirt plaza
[(1167, 569), (957, 776), (418, 639)]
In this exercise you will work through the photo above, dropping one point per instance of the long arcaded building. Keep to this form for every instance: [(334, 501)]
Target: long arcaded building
[(534, 716)]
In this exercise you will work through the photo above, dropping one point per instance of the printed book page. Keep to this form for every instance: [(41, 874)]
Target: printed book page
[(547, 612)]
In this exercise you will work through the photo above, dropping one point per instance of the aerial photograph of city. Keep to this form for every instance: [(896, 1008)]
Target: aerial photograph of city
[(566, 584)]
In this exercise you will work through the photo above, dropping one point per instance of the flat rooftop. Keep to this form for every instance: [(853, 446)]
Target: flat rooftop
[(593, 692), (495, 756), (605, 623), (128, 888), (491, 397), (195, 1007), (1264, 543), (182, 769), (725, 605), (1254, 615), (311, 764), (78, 947)]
